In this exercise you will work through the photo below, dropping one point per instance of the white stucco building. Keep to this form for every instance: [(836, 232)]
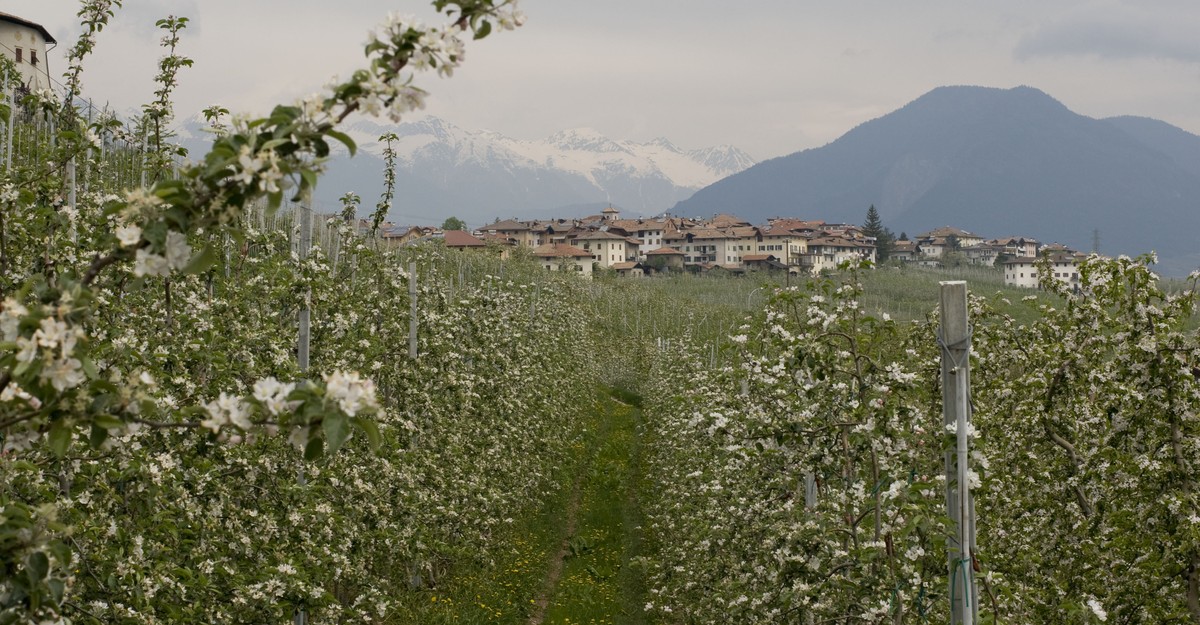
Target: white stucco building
[(25, 43), (1023, 271)]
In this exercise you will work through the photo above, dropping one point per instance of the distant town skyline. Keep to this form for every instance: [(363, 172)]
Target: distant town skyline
[(771, 77)]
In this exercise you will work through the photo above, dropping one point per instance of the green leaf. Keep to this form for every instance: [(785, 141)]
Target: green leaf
[(98, 436), (57, 590), (203, 261), (314, 448), (89, 368), (37, 566), (107, 421), (371, 429), (337, 429), (60, 437), (484, 30)]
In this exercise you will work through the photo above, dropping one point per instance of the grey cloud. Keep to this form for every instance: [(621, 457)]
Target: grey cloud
[(1112, 38)]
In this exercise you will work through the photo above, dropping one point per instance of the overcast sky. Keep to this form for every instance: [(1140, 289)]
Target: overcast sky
[(769, 76)]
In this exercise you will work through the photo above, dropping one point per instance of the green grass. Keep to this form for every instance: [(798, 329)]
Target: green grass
[(600, 585), (710, 308), (911, 293)]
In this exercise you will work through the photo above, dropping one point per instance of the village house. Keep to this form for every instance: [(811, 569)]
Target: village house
[(1064, 267), (403, 236), (984, 255), (630, 269), (903, 251), (24, 42), (565, 258), (1017, 246), (461, 240), (724, 221), (520, 232), (763, 262), (787, 240), (607, 248), (964, 238), (665, 259), (648, 231), (826, 253), (500, 245)]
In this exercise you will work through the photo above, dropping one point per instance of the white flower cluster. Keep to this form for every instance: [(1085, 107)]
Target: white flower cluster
[(8, 193), (227, 409), (13, 391), (392, 92), (273, 395), (509, 17), (53, 343), (261, 168), (352, 392), (178, 253)]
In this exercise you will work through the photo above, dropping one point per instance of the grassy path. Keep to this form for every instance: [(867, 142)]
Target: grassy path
[(600, 582), (572, 563)]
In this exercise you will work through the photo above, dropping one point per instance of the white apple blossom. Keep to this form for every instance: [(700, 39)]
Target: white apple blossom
[(129, 235), (352, 392), (179, 253), (10, 318), (63, 373), (273, 395), (147, 263)]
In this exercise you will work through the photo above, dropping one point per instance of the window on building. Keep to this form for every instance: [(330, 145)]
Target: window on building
[(33, 57), (20, 55)]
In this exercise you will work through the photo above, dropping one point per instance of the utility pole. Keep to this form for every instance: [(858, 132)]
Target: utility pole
[(955, 339)]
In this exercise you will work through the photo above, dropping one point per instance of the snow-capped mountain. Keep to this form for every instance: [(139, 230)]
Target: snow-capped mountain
[(481, 175)]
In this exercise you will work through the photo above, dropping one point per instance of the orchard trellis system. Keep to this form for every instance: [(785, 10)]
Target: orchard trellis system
[(159, 403)]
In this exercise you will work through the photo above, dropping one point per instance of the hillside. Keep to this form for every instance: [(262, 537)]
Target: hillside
[(996, 162)]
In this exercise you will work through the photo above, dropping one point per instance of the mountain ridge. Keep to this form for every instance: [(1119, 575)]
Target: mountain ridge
[(990, 160), (445, 170)]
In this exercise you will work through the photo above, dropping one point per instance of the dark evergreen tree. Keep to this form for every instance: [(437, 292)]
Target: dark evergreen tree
[(884, 239)]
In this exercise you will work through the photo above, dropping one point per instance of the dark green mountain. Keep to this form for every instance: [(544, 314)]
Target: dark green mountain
[(996, 162)]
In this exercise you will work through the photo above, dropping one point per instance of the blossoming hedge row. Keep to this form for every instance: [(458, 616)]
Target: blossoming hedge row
[(803, 483), (171, 525), (165, 456), (793, 484)]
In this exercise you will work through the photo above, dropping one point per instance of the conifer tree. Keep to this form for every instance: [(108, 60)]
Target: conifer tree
[(884, 239)]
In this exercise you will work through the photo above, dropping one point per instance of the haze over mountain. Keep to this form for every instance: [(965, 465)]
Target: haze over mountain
[(996, 162), (478, 176)]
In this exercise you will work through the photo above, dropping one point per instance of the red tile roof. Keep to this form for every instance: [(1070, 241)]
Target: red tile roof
[(560, 251), (460, 238)]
